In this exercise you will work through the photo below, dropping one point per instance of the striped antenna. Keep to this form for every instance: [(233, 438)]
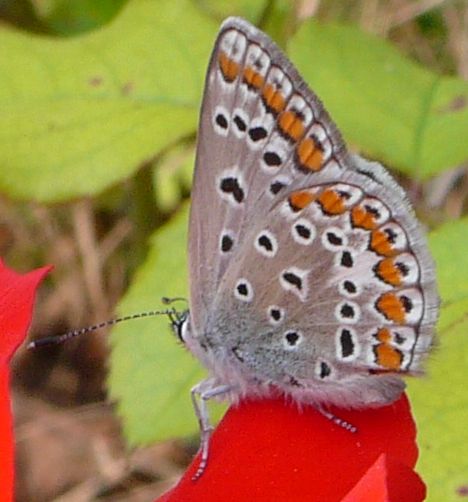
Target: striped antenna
[(57, 339)]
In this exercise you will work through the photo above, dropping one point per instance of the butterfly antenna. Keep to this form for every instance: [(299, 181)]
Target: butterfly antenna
[(57, 339), (169, 301)]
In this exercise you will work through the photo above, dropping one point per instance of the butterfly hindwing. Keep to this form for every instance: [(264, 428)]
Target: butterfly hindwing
[(332, 292)]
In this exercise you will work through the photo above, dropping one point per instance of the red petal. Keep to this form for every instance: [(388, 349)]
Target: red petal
[(268, 450), (388, 480), (16, 304), (6, 437)]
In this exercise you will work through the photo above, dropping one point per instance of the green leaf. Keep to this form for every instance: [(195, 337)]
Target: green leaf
[(68, 17), (173, 174), (396, 111), (440, 401), (220, 9), (81, 114), (151, 373)]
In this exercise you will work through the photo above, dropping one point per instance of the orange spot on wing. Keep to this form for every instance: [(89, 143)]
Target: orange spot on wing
[(331, 202), (291, 125), (380, 243), (362, 219), (387, 356), (391, 307), (273, 99), (300, 200), (229, 68), (388, 271), (309, 155), (252, 78), (383, 335)]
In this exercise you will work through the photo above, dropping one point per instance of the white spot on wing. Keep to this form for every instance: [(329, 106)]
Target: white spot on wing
[(292, 339), (239, 113), (234, 43), (349, 288), (354, 194), (275, 314), (347, 312), (278, 79), (257, 59), (243, 290), (220, 111), (334, 239), (266, 244), (294, 279), (340, 349), (298, 103), (319, 132), (299, 230)]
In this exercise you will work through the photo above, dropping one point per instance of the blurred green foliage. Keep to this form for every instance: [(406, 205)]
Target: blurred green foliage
[(392, 108), (82, 113)]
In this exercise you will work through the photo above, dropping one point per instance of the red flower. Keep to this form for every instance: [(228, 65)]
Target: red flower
[(267, 450), (16, 305)]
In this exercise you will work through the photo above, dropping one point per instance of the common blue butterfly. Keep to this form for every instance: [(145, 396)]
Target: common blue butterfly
[(309, 273)]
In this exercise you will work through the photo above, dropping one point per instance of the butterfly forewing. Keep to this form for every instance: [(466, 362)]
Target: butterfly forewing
[(261, 131)]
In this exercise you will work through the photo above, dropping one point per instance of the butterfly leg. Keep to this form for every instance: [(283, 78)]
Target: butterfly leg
[(201, 393), (338, 421)]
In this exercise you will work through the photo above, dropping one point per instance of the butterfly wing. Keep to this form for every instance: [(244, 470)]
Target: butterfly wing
[(257, 116), (333, 294), (308, 268)]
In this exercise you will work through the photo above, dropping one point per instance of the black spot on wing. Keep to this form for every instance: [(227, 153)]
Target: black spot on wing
[(257, 133), (230, 185)]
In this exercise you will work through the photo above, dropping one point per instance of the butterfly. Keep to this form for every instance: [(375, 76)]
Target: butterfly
[(309, 273)]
